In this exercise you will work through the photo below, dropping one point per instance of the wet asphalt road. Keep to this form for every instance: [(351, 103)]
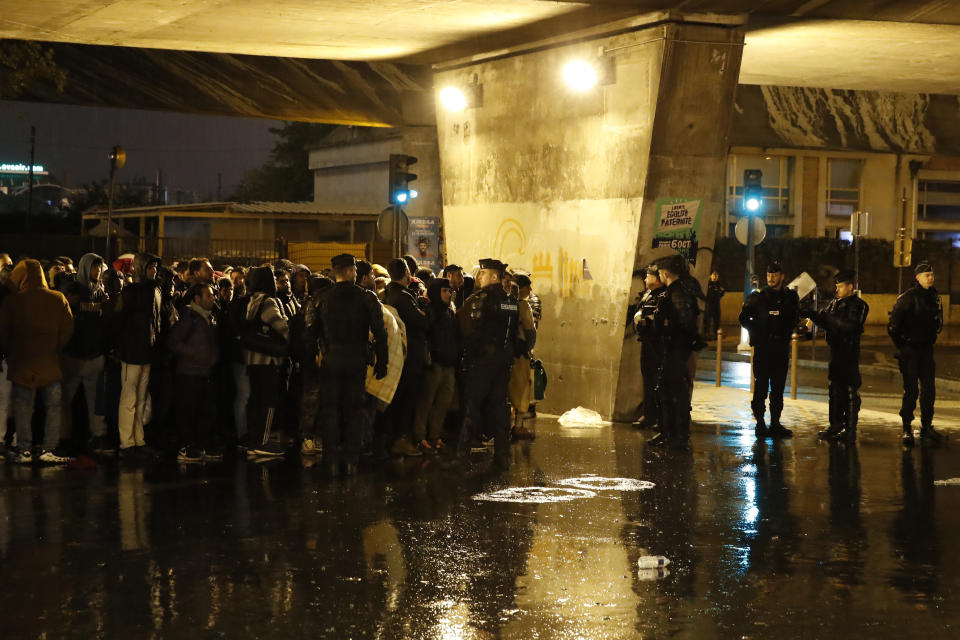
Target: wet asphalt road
[(786, 540)]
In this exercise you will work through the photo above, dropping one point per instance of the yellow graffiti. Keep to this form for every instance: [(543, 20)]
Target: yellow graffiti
[(509, 227)]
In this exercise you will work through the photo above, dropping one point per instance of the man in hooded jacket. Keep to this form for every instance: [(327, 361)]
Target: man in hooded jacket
[(35, 324), (139, 329), (82, 359)]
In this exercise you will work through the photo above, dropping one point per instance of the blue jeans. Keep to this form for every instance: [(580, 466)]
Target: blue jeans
[(22, 399)]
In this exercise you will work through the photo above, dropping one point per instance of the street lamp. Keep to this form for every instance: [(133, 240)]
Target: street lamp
[(118, 158)]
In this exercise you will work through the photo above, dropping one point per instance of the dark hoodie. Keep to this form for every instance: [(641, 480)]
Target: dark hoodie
[(87, 301), (444, 332), (139, 309)]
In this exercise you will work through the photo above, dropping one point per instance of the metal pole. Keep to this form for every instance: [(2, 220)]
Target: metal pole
[(747, 277), (719, 354), (113, 171), (794, 342), (33, 147), (751, 370)]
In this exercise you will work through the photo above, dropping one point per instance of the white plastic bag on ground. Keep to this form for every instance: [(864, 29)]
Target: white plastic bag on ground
[(581, 417)]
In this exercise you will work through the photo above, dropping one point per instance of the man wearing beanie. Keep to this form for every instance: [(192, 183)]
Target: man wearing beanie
[(843, 321), (915, 321)]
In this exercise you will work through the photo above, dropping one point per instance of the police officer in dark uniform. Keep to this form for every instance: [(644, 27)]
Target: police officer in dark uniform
[(843, 320), (488, 322), (676, 324), (915, 322), (651, 354), (770, 315), (346, 314)]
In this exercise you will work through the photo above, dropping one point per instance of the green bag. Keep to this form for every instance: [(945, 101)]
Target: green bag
[(539, 380)]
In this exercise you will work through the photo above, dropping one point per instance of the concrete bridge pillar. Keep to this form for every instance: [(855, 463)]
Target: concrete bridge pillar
[(565, 183)]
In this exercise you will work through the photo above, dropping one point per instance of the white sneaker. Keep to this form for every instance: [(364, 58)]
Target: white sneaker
[(24, 457), (308, 447), (50, 457)]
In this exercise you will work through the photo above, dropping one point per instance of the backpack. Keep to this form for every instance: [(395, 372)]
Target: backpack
[(261, 338)]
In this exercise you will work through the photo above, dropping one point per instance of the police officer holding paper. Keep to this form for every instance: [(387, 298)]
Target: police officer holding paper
[(489, 321), (915, 322), (770, 315), (651, 354), (843, 321)]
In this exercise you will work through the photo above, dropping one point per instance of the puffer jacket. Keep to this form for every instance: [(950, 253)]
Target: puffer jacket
[(87, 301), (139, 314), (195, 341), (35, 324)]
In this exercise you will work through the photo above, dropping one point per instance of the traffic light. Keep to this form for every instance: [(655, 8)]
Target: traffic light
[(400, 179), (752, 189)]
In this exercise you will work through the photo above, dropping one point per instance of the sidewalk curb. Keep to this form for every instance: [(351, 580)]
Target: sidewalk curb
[(945, 384)]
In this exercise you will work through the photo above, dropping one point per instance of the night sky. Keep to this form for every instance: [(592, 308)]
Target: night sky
[(73, 143)]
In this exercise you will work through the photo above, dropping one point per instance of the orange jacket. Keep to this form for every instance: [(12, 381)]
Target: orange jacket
[(35, 324)]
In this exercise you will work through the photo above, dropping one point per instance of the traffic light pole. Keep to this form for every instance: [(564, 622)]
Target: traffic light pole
[(748, 270)]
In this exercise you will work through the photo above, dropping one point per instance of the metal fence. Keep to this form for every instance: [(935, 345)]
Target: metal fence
[(220, 251)]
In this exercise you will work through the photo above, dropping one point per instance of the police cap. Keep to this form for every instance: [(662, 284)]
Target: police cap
[(845, 275), (774, 267), (923, 267), (493, 264), (343, 260)]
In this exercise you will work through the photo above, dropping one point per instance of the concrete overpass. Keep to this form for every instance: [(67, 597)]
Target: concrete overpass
[(566, 183)]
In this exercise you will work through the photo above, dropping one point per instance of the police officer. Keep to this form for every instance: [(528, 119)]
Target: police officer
[(651, 354), (347, 314), (770, 315), (915, 321), (843, 321), (711, 312), (675, 322), (488, 322)]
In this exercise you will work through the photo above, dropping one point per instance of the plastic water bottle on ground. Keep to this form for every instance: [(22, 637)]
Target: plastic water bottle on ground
[(652, 562)]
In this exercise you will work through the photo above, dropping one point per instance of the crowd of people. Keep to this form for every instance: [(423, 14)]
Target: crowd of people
[(191, 363)]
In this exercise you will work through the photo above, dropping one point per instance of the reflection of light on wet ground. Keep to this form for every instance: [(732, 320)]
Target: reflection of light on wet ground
[(535, 495), (597, 483), (949, 482), (453, 621)]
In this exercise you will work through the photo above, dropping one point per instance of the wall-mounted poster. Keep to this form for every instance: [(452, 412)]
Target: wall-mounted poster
[(423, 242), (678, 226)]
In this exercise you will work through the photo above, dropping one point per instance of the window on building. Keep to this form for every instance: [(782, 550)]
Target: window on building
[(843, 186), (938, 200), (776, 183)]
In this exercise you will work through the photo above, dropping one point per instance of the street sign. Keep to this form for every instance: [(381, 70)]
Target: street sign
[(859, 223), (759, 230), (902, 250), (385, 223)]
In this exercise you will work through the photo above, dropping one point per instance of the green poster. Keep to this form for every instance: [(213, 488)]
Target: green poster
[(678, 226)]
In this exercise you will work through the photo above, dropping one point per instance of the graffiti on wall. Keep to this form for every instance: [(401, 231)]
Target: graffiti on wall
[(562, 277)]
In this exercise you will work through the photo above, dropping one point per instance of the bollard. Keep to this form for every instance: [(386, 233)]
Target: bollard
[(751, 370), (794, 343), (719, 353)]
